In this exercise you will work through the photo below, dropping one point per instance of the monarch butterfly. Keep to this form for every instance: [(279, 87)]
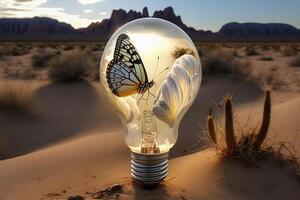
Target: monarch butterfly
[(126, 74)]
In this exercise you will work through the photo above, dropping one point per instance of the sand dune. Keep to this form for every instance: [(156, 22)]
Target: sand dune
[(65, 111), (285, 120), (77, 147), (93, 162)]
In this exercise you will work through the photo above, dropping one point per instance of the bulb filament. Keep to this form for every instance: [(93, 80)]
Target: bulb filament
[(149, 133)]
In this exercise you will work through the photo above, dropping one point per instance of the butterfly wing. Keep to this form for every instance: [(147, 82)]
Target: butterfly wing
[(121, 79), (126, 52)]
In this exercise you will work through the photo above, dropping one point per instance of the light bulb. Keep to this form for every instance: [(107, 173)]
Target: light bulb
[(151, 73)]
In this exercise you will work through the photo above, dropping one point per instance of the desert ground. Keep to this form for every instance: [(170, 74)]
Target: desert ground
[(59, 136)]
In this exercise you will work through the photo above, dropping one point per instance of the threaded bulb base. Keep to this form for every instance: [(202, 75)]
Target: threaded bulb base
[(149, 170)]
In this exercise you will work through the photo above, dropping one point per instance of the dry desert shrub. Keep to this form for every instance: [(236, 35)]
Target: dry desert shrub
[(21, 74), (17, 97), (17, 70), (276, 47), (235, 53), (14, 50), (295, 62), (266, 58), (82, 46), (96, 47), (248, 144), (223, 63), (270, 79), (265, 47), (42, 57), (203, 51), (251, 51), (179, 51), (70, 68), (288, 51), (68, 47)]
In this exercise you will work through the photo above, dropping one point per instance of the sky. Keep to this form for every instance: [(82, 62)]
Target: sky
[(200, 14)]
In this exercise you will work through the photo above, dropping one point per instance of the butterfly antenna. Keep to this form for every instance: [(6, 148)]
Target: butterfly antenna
[(156, 66), (161, 72)]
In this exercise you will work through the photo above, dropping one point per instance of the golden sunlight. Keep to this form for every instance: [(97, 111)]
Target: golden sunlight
[(145, 42)]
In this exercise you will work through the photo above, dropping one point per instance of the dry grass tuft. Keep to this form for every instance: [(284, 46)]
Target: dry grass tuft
[(14, 50), (250, 145), (295, 62), (271, 79), (17, 97), (42, 57), (70, 68), (267, 58), (68, 47), (251, 51), (222, 63), (288, 51), (179, 51)]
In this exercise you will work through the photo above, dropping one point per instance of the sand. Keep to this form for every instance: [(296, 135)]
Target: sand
[(76, 146), (81, 165)]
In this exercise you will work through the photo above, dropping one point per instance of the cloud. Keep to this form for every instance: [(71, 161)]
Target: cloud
[(87, 11), (103, 13), (22, 0), (85, 2), (32, 8), (24, 3)]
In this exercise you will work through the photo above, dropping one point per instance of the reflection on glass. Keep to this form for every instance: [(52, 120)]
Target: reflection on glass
[(152, 114)]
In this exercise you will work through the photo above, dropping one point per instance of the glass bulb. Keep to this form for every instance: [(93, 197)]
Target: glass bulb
[(151, 73)]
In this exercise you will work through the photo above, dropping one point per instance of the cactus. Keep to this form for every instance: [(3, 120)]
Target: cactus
[(261, 135), (229, 131), (211, 127)]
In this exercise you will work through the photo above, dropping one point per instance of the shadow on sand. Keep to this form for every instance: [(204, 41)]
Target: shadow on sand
[(209, 95), (64, 111), (164, 191), (68, 109)]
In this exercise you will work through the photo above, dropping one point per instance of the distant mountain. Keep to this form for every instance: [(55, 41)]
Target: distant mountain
[(169, 15), (40, 28), (255, 31), (34, 28), (107, 26)]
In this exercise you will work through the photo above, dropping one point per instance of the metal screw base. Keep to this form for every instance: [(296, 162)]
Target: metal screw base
[(149, 169)]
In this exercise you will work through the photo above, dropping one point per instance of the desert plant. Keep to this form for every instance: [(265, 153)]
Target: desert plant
[(235, 53), (72, 68), (17, 98), (179, 51), (271, 79), (68, 47), (19, 51), (82, 46), (265, 47), (211, 127), (251, 51), (295, 61), (13, 50), (261, 135), (3, 52), (222, 63), (229, 131), (248, 145), (42, 57), (288, 51), (267, 58), (203, 51)]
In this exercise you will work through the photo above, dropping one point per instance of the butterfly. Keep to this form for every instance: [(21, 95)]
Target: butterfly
[(126, 74)]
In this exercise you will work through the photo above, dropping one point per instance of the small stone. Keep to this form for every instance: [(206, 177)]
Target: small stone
[(114, 189), (78, 197)]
